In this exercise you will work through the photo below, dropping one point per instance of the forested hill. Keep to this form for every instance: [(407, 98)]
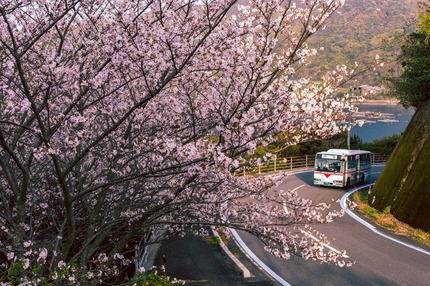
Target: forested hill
[(356, 32)]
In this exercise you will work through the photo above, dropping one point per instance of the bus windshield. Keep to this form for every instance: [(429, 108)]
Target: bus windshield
[(328, 165)]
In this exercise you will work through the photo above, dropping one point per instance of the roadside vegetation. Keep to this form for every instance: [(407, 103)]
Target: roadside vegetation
[(403, 184), (383, 146), (154, 279), (387, 220)]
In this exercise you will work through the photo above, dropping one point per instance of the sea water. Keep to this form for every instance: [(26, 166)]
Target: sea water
[(387, 118)]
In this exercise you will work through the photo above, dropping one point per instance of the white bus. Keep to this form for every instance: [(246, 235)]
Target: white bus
[(340, 167)]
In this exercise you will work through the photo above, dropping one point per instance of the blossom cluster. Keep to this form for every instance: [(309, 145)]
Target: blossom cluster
[(122, 122)]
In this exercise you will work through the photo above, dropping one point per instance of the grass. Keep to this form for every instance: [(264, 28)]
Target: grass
[(370, 212), (234, 252), (222, 234), (216, 240), (387, 220)]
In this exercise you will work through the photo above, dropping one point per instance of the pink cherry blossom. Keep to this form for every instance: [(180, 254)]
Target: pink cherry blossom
[(122, 123)]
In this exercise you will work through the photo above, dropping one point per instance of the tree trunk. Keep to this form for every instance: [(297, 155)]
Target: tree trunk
[(404, 184)]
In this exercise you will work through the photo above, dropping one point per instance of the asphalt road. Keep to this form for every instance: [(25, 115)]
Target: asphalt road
[(379, 261)]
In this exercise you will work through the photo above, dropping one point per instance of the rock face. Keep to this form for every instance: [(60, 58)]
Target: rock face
[(404, 184)]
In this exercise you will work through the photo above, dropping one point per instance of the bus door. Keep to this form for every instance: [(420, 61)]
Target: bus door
[(344, 168), (352, 169), (357, 174)]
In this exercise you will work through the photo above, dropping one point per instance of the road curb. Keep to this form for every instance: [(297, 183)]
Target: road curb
[(231, 258)]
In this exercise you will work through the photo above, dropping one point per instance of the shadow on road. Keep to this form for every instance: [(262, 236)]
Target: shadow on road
[(307, 178)]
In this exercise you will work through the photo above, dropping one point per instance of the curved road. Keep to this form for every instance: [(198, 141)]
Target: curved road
[(379, 261)]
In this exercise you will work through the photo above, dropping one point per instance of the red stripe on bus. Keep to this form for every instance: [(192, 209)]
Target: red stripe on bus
[(328, 174), (339, 174)]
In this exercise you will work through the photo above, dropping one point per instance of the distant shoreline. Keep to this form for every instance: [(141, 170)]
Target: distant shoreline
[(378, 102)]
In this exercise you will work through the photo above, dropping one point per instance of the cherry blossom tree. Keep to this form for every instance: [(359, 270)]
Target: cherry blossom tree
[(122, 123)]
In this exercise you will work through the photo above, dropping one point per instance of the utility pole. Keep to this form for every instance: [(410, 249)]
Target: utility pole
[(348, 140)]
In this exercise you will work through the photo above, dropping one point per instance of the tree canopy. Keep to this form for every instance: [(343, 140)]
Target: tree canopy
[(122, 124), (357, 32), (412, 87), (403, 184)]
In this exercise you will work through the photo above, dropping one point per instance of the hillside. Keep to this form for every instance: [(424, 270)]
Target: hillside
[(356, 32)]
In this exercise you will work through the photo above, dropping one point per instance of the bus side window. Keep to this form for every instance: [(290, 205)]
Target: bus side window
[(365, 160), (351, 162)]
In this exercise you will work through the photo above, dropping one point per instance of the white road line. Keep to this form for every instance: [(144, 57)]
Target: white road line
[(255, 257), (285, 204), (257, 260), (371, 227), (348, 211), (329, 247), (298, 188), (293, 174), (311, 236), (343, 205), (316, 239)]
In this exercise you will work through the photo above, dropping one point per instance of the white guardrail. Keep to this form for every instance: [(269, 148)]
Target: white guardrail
[(294, 162)]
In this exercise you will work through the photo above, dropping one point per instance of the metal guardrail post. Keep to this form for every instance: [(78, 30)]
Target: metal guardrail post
[(298, 162)]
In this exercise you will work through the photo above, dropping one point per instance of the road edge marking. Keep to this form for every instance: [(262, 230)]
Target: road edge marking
[(254, 257), (311, 236), (257, 260), (371, 227)]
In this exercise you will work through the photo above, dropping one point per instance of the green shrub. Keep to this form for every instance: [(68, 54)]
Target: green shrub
[(360, 196), (216, 241), (421, 236), (387, 209), (154, 279), (371, 213), (388, 225), (222, 234)]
